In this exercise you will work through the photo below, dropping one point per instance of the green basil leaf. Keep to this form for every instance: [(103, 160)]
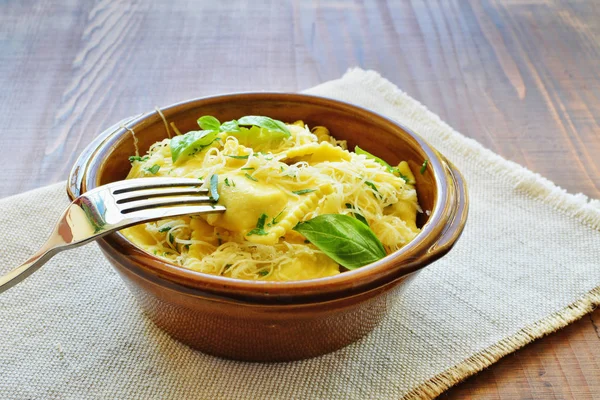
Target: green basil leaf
[(230, 126), (214, 184), (346, 240), (266, 123), (190, 143), (258, 138), (209, 123), (358, 150)]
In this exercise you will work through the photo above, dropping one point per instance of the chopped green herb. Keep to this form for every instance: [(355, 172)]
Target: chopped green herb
[(423, 167), (263, 273), (406, 178), (226, 181), (260, 226), (187, 246), (247, 169), (214, 184), (138, 158), (164, 229), (377, 195), (171, 238), (251, 177), (357, 214), (238, 157), (153, 169), (372, 186), (227, 266), (209, 122), (303, 191), (275, 220)]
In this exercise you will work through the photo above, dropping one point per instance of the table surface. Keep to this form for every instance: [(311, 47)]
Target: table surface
[(520, 76)]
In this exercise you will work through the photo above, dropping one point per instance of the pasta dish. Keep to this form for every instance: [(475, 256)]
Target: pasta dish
[(300, 205)]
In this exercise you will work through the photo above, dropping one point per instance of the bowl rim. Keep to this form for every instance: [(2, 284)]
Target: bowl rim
[(394, 266)]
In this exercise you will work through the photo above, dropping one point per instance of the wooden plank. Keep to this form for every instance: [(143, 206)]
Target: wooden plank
[(520, 76), (564, 365)]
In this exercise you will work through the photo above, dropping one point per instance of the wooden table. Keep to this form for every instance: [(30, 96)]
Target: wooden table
[(520, 76)]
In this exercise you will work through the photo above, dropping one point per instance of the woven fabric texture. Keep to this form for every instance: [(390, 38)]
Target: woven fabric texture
[(527, 264)]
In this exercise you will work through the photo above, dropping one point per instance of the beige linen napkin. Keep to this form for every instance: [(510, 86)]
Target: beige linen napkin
[(527, 264)]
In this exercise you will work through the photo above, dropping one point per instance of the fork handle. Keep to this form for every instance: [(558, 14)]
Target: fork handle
[(63, 237), (29, 267)]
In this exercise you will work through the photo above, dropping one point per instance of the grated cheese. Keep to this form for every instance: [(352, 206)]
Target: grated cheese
[(289, 180)]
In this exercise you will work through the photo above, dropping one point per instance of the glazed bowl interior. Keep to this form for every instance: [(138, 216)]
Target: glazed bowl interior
[(374, 133)]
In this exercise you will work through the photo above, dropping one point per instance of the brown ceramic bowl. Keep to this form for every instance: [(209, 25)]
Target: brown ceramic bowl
[(277, 321)]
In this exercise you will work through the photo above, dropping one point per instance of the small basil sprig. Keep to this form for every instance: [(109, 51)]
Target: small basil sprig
[(348, 241), (190, 143), (230, 126), (209, 123), (267, 123)]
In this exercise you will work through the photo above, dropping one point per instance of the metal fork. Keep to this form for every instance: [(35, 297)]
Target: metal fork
[(115, 206)]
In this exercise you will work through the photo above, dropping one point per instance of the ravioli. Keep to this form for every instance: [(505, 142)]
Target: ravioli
[(269, 181)]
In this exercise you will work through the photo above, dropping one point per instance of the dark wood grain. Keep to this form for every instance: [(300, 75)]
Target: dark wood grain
[(520, 76)]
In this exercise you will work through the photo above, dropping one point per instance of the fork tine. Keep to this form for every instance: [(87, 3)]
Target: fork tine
[(125, 197), (131, 185), (138, 205)]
